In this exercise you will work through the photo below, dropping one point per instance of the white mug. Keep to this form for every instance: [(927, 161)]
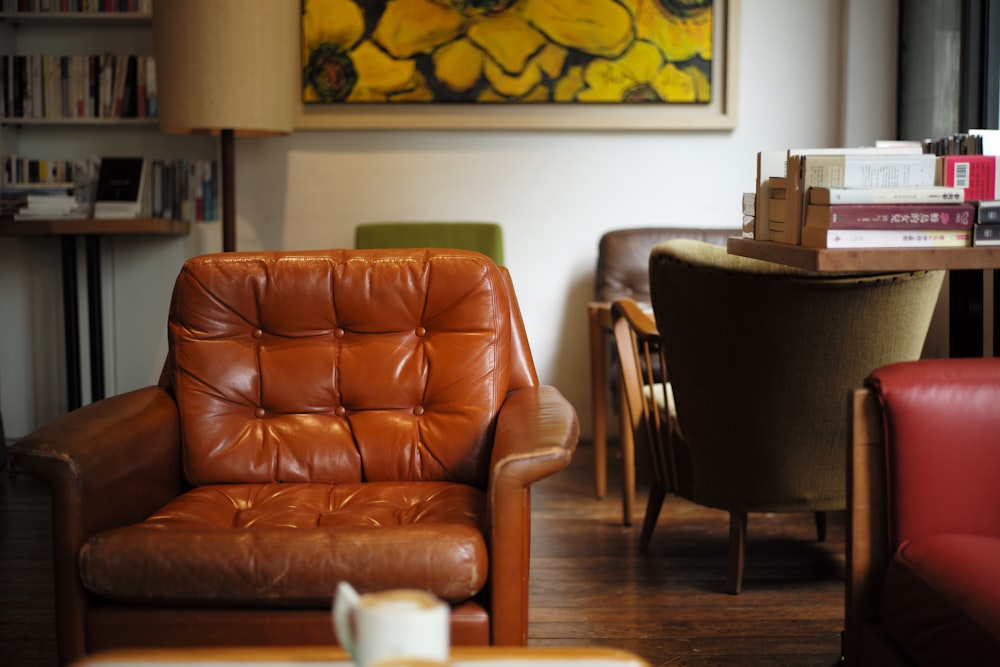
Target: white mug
[(392, 624)]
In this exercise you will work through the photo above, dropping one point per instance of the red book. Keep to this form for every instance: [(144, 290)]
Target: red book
[(891, 216), (976, 174)]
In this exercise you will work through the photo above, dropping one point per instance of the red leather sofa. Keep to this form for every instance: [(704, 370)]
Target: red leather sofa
[(924, 532)]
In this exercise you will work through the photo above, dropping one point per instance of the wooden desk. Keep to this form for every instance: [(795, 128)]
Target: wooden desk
[(496, 656), (966, 266), (69, 231)]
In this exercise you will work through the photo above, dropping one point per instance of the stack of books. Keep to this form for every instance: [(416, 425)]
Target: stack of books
[(924, 217), (888, 196), (51, 205)]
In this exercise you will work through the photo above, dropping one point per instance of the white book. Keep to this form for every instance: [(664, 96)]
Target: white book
[(933, 194), (821, 237), (870, 170)]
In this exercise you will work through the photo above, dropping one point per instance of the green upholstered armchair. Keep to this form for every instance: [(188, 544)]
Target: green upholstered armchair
[(484, 237), (761, 359)]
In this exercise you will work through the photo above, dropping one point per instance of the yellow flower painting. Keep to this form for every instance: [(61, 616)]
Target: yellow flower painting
[(507, 51)]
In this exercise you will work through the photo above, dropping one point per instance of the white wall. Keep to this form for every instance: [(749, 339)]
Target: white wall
[(554, 193)]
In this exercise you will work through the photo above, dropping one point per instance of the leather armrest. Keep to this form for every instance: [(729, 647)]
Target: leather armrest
[(112, 462), (537, 432)]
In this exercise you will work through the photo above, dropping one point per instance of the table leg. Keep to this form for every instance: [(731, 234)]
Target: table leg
[(95, 317), (996, 312), (965, 313), (71, 323)]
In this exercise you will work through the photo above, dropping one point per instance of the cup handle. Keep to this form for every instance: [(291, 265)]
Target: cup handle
[(343, 606)]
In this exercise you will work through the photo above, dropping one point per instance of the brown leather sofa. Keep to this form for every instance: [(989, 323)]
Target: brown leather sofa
[(371, 416)]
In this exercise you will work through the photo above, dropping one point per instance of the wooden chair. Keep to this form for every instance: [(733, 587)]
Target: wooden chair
[(623, 273), (760, 358), (647, 404)]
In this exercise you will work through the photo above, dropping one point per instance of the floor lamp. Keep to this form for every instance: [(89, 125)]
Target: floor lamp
[(228, 68)]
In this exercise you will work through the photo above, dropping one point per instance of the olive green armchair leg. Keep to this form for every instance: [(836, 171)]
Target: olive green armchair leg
[(737, 547), (657, 494), (820, 526)]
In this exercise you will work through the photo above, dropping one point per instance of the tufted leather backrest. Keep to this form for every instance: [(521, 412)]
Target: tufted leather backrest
[(342, 365)]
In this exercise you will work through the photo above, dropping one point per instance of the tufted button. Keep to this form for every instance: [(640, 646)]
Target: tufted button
[(340, 411), (419, 410), (259, 413), (420, 331), (338, 333), (258, 333)]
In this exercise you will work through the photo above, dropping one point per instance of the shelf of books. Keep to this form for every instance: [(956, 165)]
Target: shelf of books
[(57, 9), (94, 226), (91, 87), (93, 194), (840, 209)]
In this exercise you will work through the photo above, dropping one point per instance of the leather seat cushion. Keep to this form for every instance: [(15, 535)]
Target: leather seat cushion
[(244, 544), (941, 600)]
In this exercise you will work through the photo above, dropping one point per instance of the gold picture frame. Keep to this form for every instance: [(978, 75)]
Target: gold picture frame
[(719, 114)]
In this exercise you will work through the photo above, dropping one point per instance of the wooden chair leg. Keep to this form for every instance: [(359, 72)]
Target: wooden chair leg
[(654, 504), (598, 391), (628, 463), (820, 526), (737, 546)]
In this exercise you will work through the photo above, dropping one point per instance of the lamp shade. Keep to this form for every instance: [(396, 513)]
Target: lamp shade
[(226, 64)]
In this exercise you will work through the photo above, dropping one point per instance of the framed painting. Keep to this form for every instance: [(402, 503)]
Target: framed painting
[(518, 64)]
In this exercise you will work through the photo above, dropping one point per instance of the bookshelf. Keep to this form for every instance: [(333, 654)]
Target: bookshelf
[(69, 226), (121, 271)]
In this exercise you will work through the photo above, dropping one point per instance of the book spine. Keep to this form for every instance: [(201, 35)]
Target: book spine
[(5, 78), (892, 216), (817, 237), (986, 235), (927, 195), (988, 212), (975, 174)]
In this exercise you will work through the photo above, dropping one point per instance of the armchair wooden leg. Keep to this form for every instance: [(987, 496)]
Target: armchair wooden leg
[(820, 526), (737, 546)]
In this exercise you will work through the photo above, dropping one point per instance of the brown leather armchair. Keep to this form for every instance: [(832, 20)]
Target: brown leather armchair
[(371, 416)]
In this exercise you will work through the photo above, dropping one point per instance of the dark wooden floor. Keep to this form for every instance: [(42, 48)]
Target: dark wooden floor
[(590, 585)]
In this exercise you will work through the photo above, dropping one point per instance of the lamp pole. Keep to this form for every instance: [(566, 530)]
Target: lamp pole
[(228, 190)]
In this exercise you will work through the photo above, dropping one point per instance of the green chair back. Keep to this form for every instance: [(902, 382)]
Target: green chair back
[(484, 237), (761, 359)]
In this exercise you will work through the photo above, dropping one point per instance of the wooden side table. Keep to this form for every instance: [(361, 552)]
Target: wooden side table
[(70, 231)]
